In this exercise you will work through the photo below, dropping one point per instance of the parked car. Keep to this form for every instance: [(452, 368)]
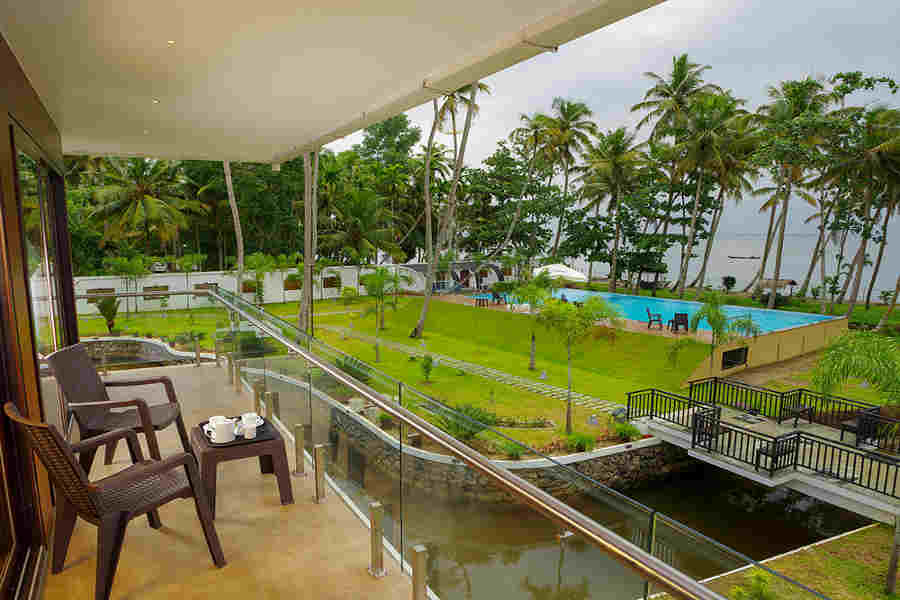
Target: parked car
[(159, 267)]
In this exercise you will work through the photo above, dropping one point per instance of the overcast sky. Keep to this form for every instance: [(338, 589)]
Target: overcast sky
[(750, 44)]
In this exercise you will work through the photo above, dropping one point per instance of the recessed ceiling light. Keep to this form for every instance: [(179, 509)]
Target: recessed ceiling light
[(171, 42), (156, 101), (146, 132)]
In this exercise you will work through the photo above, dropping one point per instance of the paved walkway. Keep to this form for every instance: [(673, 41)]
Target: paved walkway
[(537, 387)]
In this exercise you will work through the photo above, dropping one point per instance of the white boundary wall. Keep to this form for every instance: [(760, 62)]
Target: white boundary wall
[(273, 287)]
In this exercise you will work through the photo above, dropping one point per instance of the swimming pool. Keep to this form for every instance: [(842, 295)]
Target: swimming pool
[(635, 308)]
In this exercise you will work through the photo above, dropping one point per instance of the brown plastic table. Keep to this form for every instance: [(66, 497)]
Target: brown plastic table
[(272, 459)]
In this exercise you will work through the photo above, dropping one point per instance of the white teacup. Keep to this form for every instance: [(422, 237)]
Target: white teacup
[(213, 421), (248, 424), (222, 431)]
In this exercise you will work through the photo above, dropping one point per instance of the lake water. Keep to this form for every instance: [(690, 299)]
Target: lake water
[(798, 250)]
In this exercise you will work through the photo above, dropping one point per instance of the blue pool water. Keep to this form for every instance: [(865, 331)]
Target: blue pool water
[(635, 308)]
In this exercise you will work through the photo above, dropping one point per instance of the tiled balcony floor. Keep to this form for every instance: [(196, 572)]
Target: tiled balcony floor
[(304, 550)]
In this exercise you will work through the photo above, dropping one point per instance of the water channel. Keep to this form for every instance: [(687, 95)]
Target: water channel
[(500, 551)]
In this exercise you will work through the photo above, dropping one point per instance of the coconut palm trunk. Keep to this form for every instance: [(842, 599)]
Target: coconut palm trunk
[(238, 233), (565, 207), (614, 276), (692, 232), (429, 243), (780, 252), (884, 318), (766, 249), (818, 253), (881, 246), (569, 390), (713, 229), (861, 254)]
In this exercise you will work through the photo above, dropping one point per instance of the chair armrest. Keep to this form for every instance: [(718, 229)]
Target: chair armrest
[(143, 414), (104, 438), (166, 381)]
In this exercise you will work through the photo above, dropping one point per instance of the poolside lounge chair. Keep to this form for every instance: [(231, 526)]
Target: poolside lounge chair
[(678, 321), (654, 318)]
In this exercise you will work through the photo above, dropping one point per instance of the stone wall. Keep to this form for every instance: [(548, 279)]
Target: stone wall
[(360, 447)]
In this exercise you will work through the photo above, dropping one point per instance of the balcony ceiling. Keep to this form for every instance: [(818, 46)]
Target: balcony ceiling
[(265, 80)]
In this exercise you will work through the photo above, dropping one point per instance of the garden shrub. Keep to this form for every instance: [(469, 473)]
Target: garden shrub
[(349, 295), (580, 442), (427, 366), (385, 421), (354, 368), (757, 587), (109, 308), (780, 300), (511, 450), (627, 432), (728, 282), (466, 421), (504, 287)]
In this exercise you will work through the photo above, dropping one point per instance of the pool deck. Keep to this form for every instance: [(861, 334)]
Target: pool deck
[(302, 550)]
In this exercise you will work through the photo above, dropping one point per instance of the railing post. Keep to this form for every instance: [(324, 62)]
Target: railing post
[(299, 459), (344, 453), (376, 523), (773, 457), (652, 402), (236, 374), (258, 390), (651, 542), (273, 404), (196, 352), (419, 566), (799, 437), (628, 408), (319, 460)]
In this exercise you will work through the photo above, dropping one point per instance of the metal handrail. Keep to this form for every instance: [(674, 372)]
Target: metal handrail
[(648, 566)]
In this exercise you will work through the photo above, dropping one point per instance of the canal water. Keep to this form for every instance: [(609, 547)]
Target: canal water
[(507, 551)]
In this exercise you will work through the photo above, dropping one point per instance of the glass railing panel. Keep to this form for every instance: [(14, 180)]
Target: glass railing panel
[(362, 449)]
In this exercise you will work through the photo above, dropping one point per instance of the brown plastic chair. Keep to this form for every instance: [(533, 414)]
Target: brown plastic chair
[(87, 399), (110, 503)]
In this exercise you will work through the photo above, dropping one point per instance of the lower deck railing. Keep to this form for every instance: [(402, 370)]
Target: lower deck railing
[(868, 469)]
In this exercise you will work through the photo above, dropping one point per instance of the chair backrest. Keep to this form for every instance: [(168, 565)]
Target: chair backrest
[(57, 456), (681, 318), (78, 378)]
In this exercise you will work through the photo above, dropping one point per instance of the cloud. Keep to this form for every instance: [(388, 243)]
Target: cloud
[(750, 45)]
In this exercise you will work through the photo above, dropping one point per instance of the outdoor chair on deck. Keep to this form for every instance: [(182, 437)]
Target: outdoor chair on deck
[(87, 399), (776, 451), (654, 318), (110, 503), (680, 320)]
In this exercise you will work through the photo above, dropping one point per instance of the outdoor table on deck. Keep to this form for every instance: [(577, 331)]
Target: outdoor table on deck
[(270, 450)]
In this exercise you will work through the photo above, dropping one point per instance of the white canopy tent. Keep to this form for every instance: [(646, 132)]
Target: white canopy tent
[(561, 271), (266, 81)]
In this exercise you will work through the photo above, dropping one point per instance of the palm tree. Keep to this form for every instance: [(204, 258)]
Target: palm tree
[(723, 329), (429, 235), (361, 226), (612, 164), (884, 318), (707, 133), (791, 129), (669, 98), (533, 293), (567, 132), (733, 173), (238, 233), (573, 325), (139, 195), (875, 171)]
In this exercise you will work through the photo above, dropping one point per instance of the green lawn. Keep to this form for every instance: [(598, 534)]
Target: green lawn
[(851, 568), (501, 340)]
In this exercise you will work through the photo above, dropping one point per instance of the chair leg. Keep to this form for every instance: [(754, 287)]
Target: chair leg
[(110, 535), (204, 514), (62, 533), (183, 434), (110, 452)]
